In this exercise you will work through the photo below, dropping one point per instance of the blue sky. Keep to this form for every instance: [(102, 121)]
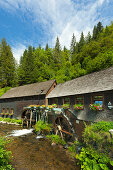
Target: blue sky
[(34, 22)]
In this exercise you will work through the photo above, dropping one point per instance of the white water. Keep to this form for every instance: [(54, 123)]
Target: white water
[(21, 132), (39, 137)]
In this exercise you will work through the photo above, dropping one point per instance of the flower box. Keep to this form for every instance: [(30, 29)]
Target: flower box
[(78, 107), (2, 114), (65, 106), (95, 107)]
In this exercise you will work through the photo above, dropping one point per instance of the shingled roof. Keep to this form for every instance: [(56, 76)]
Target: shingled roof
[(29, 90), (94, 82)]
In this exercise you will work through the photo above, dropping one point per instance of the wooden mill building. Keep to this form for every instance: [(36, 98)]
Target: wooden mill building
[(96, 87), (17, 98)]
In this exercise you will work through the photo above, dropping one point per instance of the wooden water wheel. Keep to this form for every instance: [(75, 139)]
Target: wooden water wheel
[(62, 127)]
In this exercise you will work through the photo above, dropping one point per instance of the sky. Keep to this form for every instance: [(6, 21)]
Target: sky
[(34, 22)]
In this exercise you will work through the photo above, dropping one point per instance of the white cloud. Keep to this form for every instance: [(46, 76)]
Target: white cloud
[(59, 17), (18, 50)]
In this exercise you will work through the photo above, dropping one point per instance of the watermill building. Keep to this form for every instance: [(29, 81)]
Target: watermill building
[(14, 100), (93, 88)]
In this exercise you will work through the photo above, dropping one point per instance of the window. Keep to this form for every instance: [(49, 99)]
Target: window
[(7, 110), (3, 110), (12, 110), (66, 100), (98, 100), (55, 101), (79, 100)]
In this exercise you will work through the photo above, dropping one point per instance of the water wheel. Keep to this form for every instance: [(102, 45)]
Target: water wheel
[(62, 127)]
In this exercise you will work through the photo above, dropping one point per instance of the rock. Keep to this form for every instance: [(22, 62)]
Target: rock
[(53, 144), (111, 132)]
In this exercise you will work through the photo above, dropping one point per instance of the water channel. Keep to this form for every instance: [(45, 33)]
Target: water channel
[(35, 153)]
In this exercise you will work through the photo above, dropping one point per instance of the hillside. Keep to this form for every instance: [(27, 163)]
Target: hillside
[(92, 53)]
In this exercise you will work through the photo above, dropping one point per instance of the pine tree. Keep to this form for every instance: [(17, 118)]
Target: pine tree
[(73, 45), (94, 33), (99, 27), (57, 54), (57, 46), (88, 38), (81, 42), (47, 47), (7, 65), (26, 68)]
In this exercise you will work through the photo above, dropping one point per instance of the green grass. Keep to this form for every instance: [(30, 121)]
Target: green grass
[(56, 138), (42, 126), (17, 121)]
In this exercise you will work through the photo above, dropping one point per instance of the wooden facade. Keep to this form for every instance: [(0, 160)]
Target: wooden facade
[(89, 89), (19, 97)]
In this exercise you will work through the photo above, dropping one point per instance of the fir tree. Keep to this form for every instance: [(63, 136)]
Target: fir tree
[(7, 65), (73, 45), (94, 33), (88, 38), (99, 27), (47, 47), (81, 42)]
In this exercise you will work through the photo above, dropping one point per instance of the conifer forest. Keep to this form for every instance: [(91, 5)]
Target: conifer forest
[(92, 53)]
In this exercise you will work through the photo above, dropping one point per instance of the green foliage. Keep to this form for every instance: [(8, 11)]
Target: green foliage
[(98, 150), (43, 127), (90, 159), (56, 138), (18, 121), (65, 106), (72, 150), (4, 90), (4, 155), (90, 54), (102, 126), (7, 65), (78, 107), (95, 107)]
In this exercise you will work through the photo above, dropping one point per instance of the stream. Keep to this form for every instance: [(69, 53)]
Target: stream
[(32, 152)]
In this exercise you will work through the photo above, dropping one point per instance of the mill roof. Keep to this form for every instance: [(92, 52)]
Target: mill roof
[(39, 88), (94, 82)]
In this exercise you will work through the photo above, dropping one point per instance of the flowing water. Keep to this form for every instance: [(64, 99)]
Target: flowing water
[(32, 152)]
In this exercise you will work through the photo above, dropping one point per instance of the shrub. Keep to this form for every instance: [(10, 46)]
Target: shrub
[(42, 126), (98, 150), (90, 159), (72, 150), (56, 138), (102, 126), (18, 121), (4, 155)]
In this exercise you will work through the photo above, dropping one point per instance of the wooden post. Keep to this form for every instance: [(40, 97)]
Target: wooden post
[(22, 122), (27, 124), (30, 118)]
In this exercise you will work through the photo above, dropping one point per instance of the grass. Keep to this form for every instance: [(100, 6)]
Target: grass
[(17, 121), (56, 138), (43, 127)]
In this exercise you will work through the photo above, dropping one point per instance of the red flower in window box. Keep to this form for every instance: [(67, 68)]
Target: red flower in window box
[(95, 107)]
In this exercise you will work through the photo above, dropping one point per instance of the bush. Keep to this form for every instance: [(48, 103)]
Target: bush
[(90, 159), (56, 138), (43, 127), (4, 155), (98, 150), (18, 121), (102, 126)]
